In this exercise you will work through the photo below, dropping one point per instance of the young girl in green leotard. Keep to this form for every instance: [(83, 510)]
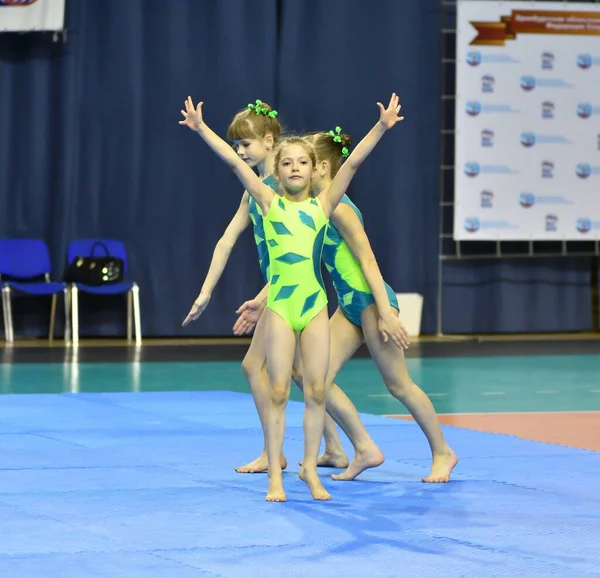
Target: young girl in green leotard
[(254, 133), (366, 311), (295, 214)]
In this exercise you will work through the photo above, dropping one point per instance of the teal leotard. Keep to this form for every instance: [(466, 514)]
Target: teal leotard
[(256, 217), (353, 292)]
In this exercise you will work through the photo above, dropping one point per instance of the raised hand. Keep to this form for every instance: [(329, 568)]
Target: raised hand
[(388, 117), (192, 116)]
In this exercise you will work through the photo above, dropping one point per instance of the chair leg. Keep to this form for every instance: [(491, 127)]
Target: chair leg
[(129, 307), (137, 315), (67, 297), (52, 318), (5, 316), (4, 319), (7, 309), (75, 314)]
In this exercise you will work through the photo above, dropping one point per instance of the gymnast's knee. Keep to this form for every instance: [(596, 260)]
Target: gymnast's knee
[(315, 393), (280, 393)]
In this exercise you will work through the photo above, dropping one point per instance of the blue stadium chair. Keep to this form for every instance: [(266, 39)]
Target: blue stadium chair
[(85, 248), (25, 269)]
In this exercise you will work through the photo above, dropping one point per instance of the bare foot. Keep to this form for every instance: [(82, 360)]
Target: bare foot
[(442, 467), (362, 461), (332, 460), (260, 465), (276, 492), (312, 480)]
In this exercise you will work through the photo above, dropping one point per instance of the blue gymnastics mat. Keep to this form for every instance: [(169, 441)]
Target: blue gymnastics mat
[(143, 484)]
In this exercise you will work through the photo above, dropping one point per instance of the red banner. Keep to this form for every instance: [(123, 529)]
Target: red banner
[(536, 22)]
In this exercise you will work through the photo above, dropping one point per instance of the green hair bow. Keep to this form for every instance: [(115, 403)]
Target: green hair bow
[(259, 109), (336, 136)]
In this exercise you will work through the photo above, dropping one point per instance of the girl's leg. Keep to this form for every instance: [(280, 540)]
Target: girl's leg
[(346, 338), (334, 455), (314, 348), (280, 348), (391, 364), (255, 369)]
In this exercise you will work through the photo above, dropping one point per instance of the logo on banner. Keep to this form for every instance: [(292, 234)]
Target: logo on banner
[(527, 139), (583, 170), (584, 61), (551, 222), (547, 170), (487, 138), (547, 109), (472, 169), (547, 61), (584, 110), (527, 83), (487, 199), (488, 83), (473, 58), (471, 224), (583, 224), (473, 108), (527, 200)]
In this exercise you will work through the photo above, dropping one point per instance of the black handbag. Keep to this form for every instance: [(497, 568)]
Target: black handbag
[(94, 270)]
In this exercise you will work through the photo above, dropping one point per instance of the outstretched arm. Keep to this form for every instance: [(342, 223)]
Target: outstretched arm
[(260, 192), (219, 260), (388, 117), (352, 231)]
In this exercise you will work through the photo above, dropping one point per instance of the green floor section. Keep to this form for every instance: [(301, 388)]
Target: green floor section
[(455, 385)]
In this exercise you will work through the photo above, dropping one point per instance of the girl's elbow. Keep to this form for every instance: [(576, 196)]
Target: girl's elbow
[(225, 244)]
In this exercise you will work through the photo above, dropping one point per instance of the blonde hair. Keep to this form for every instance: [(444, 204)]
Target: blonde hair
[(292, 140), (247, 124)]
